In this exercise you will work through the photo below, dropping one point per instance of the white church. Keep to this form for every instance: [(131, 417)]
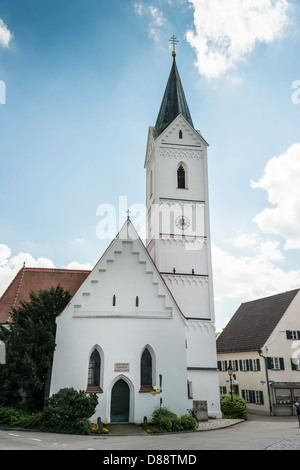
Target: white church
[(144, 316)]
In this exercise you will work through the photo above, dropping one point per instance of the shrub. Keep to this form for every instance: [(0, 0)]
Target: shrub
[(13, 417), (67, 411), (235, 408), (171, 422), (188, 422)]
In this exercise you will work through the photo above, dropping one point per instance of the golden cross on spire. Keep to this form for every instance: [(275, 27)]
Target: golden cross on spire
[(173, 41)]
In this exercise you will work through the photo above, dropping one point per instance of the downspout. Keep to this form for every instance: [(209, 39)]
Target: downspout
[(267, 378)]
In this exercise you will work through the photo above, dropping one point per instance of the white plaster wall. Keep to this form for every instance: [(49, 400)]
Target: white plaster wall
[(122, 333), (278, 345)]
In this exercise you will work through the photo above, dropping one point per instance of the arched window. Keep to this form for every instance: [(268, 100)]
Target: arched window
[(180, 134), (94, 369), (146, 369), (180, 177)]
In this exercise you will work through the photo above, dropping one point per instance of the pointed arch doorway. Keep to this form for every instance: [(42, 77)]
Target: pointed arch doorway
[(120, 401)]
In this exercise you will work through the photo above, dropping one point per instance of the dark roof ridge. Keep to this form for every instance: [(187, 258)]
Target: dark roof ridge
[(270, 296)]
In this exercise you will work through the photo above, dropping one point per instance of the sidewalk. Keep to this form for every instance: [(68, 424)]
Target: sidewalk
[(131, 429)]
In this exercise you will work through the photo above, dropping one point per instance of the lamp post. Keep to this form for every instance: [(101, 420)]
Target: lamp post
[(230, 372)]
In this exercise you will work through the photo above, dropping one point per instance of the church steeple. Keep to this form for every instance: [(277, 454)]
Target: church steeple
[(174, 101)]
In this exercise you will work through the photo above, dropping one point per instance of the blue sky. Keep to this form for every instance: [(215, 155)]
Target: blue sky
[(83, 82)]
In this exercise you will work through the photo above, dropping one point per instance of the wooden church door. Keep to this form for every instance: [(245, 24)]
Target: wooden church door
[(120, 402)]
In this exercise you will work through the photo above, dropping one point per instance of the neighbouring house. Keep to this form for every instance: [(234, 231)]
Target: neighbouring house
[(261, 343), (33, 280)]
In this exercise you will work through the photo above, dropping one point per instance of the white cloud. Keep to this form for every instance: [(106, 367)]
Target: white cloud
[(9, 266), (226, 31), (155, 17), (76, 265), (281, 180), (249, 277), (5, 34)]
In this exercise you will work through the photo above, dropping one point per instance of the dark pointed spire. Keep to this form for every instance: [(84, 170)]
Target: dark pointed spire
[(174, 101)]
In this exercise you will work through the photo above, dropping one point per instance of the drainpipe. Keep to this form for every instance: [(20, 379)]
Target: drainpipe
[(267, 378)]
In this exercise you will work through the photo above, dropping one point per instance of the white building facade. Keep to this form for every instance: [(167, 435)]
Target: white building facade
[(262, 345), (146, 314)]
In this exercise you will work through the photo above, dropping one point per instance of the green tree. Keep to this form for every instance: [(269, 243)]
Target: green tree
[(30, 344)]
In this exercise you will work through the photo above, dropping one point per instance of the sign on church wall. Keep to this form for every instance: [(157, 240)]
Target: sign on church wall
[(122, 367)]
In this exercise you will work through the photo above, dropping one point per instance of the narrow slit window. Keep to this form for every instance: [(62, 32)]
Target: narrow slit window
[(181, 177), (114, 301), (137, 301), (180, 134)]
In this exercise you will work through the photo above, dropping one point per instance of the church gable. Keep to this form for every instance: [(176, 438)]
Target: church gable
[(124, 283), (180, 132)]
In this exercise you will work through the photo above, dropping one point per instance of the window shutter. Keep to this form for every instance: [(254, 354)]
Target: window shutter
[(261, 397), (281, 361), (288, 334), (251, 364), (269, 362), (219, 365), (258, 364), (293, 365), (247, 364), (237, 362), (298, 334), (241, 364), (243, 394)]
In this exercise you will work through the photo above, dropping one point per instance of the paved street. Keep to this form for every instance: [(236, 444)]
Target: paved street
[(258, 433)]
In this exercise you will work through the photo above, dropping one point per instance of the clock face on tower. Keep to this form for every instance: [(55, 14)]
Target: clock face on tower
[(182, 222)]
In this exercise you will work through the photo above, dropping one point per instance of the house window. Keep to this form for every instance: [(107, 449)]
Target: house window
[(246, 395), (293, 334), (275, 363), (180, 134), (137, 301), (94, 369), (283, 396), (146, 369), (244, 365), (114, 301), (254, 365), (295, 363), (181, 177), (253, 396)]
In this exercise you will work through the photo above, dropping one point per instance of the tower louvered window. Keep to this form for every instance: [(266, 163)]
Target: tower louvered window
[(181, 177)]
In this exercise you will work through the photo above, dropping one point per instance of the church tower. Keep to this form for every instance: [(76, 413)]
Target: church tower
[(178, 234)]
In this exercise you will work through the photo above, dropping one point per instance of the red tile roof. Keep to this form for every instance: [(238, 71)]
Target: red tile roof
[(253, 322), (35, 279)]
